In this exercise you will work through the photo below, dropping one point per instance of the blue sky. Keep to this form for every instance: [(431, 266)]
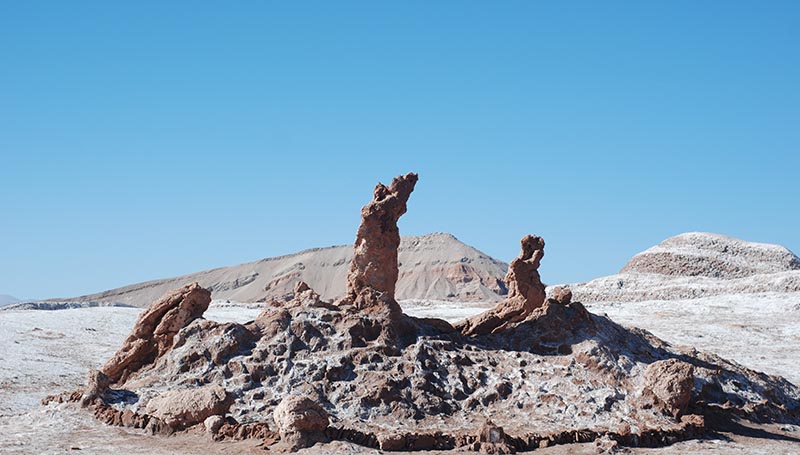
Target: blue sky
[(148, 139)]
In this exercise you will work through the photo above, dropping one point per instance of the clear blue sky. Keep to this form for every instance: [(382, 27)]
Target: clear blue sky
[(149, 139)]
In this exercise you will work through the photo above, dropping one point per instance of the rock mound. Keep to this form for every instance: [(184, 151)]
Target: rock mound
[(309, 371)]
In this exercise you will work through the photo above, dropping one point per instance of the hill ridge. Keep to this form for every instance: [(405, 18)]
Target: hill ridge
[(442, 268)]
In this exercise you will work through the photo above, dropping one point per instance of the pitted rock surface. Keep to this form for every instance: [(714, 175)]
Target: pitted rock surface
[(153, 333)]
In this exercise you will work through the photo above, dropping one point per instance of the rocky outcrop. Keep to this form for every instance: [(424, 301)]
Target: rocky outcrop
[(374, 269), (525, 293), (183, 408), (300, 421), (307, 370), (153, 333)]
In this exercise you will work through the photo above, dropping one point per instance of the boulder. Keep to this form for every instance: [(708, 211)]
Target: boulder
[(213, 424), (96, 387), (561, 294), (668, 384), (300, 421), (180, 409), (492, 440)]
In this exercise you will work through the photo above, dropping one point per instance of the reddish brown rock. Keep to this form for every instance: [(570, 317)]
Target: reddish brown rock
[(96, 387), (301, 421), (562, 295), (523, 278), (668, 384), (492, 440), (374, 269), (525, 293), (153, 333), (183, 408)]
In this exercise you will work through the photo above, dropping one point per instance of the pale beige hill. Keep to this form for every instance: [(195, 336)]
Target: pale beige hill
[(433, 267)]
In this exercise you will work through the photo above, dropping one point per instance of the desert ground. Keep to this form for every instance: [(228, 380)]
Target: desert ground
[(43, 352)]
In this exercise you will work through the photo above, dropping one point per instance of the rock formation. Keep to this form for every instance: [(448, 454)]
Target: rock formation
[(373, 270), (547, 372), (155, 329), (525, 292)]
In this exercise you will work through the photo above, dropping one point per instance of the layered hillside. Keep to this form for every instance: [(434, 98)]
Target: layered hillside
[(695, 265), (434, 266)]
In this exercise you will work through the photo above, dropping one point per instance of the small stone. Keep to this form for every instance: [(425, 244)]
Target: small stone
[(213, 424)]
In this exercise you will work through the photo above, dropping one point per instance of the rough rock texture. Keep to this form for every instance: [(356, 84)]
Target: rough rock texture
[(153, 333), (669, 384), (374, 269), (301, 421), (308, 368), (183, 408), (525, 292)]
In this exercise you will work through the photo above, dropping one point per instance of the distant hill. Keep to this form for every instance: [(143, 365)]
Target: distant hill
[(434, 266), (697, 264), (7, 299)]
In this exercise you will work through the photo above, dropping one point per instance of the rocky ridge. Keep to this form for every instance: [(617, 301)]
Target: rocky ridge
[(309, 370)]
